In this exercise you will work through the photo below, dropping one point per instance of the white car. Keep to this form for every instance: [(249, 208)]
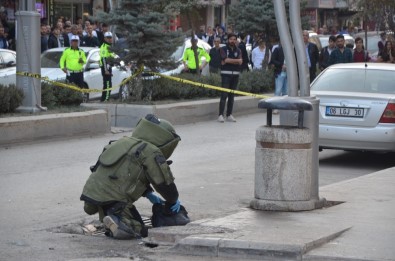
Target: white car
[(177, 58), (7, 67), (178, 54), (92, 73), (357, 106)]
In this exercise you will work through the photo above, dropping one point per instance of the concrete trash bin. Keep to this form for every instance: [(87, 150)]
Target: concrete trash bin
[(283, 161)]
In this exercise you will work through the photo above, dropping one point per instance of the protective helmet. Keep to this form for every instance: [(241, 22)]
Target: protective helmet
[(159, 132)]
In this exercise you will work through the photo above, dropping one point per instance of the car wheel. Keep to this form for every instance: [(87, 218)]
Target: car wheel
[(124, 93), (85, 95)]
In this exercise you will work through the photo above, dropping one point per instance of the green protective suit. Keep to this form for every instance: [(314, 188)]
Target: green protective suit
[(126, 169)]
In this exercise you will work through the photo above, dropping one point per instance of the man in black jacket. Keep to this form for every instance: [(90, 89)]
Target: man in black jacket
[(280, 72), (326, 53), (312, 55), (244, 54)]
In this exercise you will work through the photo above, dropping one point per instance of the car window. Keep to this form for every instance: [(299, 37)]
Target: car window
[(356, 80), (95, 57), (177, 55), (52, 59), (7, 59)]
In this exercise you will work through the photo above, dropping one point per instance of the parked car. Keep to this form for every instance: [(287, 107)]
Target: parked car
[(7, 66), (92, 73), (357, 107), (178, 54)]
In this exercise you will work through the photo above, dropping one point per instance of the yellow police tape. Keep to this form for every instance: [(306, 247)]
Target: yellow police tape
[(74, 87), (209, 86), (139, 71)]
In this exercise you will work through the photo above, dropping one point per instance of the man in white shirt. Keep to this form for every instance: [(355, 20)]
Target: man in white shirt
[(260, 56)]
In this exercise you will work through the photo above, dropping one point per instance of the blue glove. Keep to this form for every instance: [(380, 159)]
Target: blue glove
[(154, 198), (176, 207)]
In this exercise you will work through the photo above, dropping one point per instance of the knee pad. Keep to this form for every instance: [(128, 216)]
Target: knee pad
[(90, 209)]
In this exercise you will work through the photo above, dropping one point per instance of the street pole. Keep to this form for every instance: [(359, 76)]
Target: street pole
[(288, 47), (28, 49), (288, 118)]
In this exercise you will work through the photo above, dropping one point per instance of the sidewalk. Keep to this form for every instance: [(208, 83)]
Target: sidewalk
[(361, 227)]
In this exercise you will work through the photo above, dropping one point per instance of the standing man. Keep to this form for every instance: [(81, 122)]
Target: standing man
[(280, 71), (106, 66), (381, 43), (244, 54), (261, 56), (230, 71), (89, 38), (215, 57), (312, 55), (44, 38), (3, 38), (72, 62), (341, 54), (189, 59), (360, 55), (326, 52)]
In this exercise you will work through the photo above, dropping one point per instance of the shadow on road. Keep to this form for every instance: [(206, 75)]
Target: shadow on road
[(368, 160)]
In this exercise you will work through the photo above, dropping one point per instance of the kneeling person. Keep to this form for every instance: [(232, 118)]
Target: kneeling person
[(125, 171)]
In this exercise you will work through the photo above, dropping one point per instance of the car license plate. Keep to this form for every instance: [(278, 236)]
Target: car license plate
[(344, 112)]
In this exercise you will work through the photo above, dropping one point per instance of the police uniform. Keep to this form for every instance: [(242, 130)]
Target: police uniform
[(106, 66), (229, 77), (73, 61), (189, 58), (124, 173)]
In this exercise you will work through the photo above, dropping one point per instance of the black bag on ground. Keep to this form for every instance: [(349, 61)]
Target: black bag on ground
[(162, 218)]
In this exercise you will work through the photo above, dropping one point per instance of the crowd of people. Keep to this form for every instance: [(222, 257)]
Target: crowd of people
[(267, 54), (91, 34)]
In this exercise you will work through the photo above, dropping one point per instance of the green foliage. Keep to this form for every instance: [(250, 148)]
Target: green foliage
[(54, 96), (256, 81), (379, 11), (144, 31), (258, 17), (11, 98)]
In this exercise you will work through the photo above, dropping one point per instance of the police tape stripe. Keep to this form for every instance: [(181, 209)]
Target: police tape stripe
[(139, 71), (208, 86), (76, 88)]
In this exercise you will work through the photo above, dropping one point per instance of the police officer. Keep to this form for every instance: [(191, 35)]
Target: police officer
[(106, 63), (230, 70), (72, 62), (189, 60), (125, 172)]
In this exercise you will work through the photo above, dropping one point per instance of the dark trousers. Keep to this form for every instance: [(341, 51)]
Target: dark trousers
[(107, 83), (76, 78), (230, 82), (312, 72)]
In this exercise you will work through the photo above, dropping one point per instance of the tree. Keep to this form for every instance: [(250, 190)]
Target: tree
[(257, 16), (381, 11), (142, 26)]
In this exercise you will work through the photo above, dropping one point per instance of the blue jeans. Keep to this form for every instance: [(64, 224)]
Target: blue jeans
[(281, 83)]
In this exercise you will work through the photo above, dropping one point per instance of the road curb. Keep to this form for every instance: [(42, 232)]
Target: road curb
[(103, 116), (40, 127), (127, 115)]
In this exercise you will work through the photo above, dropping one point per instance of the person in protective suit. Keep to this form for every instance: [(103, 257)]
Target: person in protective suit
[(125, 171)]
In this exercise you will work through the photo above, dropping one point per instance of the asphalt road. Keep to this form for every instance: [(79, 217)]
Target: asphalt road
[(40, 185)]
